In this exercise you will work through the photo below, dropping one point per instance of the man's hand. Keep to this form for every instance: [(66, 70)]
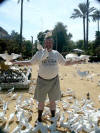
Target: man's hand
[(45, 54), (74, 62), (17, 63)]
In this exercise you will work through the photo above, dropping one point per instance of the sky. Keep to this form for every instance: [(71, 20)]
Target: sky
[(40, 15)]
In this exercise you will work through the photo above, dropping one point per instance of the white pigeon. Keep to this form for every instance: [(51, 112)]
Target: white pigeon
[(82, 73), (27, 130), (31, 89), (99, 98), (90, 77), (55, 132), (11, 90), (46, 111), (8, 57), (69, 91), (39, 46), (84, 57), (5, 106), (17, 129), (0, 88), (7, 128), (62, 118), (53, 126), (19, 100), (2, 116), (72, 57), (48, 34), (65, 105), (14, 68), (44, 55), (14, 96), (19, 114), (40, 127), (25, 77), (98, 84), (29, 71), (11, 117), (97, 129), (9, 94), (1, 100)]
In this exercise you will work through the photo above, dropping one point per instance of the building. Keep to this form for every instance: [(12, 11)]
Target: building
[(3, 33)]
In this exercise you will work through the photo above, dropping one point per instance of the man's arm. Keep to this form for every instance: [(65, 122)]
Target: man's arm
[(36, 59), (22, 63), (67, 63)]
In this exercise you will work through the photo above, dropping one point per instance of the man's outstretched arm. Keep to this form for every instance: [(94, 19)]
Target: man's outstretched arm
[(22, 63), (67, 63)]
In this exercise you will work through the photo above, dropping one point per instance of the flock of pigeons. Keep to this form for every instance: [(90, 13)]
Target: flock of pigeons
[(72, 115)]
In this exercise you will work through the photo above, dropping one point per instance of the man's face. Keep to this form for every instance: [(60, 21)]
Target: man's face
[(48, 44)]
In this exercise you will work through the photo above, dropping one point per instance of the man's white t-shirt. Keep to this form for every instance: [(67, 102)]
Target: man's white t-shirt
[(48, 68)]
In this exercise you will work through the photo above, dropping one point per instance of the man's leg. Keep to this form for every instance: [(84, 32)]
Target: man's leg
[(40, 111), (52, 108)]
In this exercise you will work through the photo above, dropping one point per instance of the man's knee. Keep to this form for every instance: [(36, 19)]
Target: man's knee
[(41, 105), (52, 105)]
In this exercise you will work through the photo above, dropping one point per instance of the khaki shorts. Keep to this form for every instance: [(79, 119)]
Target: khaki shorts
[(46, 87)]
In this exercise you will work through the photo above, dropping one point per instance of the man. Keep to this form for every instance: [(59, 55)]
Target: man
[(48, 78)]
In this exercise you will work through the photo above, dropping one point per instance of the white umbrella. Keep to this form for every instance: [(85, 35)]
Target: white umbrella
[(78, 50), (72, 57)]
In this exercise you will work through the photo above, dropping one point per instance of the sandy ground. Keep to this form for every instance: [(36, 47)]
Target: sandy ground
[(68, 79)]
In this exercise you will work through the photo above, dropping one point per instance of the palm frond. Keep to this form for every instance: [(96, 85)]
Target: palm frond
[(92, 9), (76, 14), (83, 8), (96, 15), (18, 1)]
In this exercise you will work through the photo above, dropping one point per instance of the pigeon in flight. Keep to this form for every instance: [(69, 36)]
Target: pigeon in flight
[(8, 57)]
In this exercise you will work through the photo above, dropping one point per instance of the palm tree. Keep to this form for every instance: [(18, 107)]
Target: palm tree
[(89, 11), (21, 22), (82, 13), (96, 17)]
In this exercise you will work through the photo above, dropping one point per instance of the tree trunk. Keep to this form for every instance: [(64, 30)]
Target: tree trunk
[(56, 42), (21, 24), (87, 34), (98, 24), (84, 32)]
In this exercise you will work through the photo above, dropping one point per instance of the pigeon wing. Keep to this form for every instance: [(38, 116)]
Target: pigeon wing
[(15, 56), (3, 56), (39, 47)]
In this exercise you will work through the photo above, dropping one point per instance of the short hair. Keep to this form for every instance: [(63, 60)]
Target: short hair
[(49, 38), (48, 35)]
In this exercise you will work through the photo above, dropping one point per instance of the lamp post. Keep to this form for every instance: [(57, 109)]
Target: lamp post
[(32, 45), (21, 24)]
